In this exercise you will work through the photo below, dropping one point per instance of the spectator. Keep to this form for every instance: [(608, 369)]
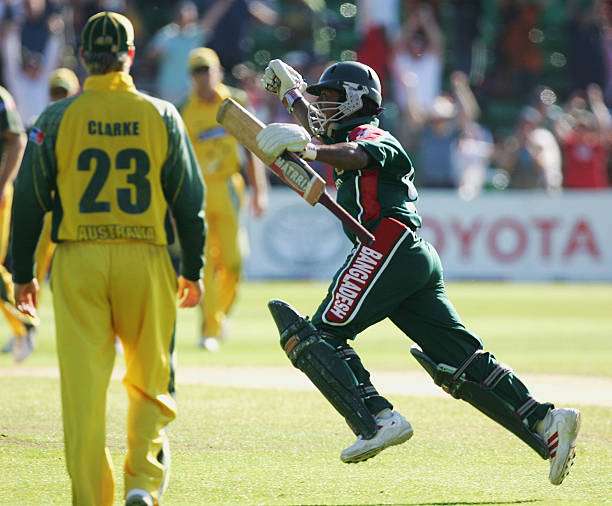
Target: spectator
[(377, 24), (475, 143), (584, 141), (171, 45), (519, 58), (419, 52), (586, 45), (466, 15), (544, 99), (378, 13), (229, 40), (375, 51), (532, 155), (435, 134), (31, 50)]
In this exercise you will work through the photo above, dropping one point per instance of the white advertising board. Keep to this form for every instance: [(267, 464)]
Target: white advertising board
[(512, 235)]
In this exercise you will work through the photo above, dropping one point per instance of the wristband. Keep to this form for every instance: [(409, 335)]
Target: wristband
[(310, 152), (290, 97)]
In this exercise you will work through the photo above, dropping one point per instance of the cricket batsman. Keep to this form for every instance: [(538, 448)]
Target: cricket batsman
[(219, 157), (112, 164), (12, 146), (398, 277)]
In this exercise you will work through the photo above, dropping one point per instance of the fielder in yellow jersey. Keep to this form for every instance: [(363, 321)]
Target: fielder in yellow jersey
[(12, 145), (219, 156), (111, 165)]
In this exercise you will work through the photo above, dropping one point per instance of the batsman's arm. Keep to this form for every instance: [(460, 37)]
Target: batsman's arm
[(343, 156), (290, 168), (184, 192), (298, 107)]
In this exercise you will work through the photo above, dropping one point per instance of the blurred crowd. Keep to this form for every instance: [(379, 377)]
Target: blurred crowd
[(485, 95)]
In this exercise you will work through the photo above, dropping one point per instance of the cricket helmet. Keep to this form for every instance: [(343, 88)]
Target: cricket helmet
[(355, 81)]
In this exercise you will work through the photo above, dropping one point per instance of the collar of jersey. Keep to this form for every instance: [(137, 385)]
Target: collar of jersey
[(113, 81), (338, 132)]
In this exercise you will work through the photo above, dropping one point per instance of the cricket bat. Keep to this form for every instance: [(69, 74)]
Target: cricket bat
[(289, 167)]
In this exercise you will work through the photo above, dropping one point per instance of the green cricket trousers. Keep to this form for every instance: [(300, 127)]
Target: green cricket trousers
[(400, 277)]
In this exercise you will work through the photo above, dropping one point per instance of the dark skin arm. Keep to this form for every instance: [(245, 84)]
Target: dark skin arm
[(343, 155)]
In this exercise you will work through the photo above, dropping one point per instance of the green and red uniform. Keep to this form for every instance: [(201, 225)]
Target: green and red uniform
[(400, 275)]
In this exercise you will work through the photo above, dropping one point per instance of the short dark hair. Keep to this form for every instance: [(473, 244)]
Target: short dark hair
[(103, 63)]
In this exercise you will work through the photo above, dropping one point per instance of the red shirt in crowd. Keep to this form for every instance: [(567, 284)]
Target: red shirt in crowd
[(585, 160)]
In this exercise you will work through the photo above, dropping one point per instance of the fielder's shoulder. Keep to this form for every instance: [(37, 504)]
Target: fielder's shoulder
[(166, 110)]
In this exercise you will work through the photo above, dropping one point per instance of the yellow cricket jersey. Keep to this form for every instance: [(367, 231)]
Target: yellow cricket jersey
[(110, 164), (216, 150)]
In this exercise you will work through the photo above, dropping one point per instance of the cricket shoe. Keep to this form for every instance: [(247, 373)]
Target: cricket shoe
[(393, 429), (559, 429), (23, 346), (209, 344), (138, 497)]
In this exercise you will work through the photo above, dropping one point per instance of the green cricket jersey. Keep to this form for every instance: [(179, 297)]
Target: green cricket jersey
[(384, 189), (111, 164)]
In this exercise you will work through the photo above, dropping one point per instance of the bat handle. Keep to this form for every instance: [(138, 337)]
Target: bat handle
[(351, 223)]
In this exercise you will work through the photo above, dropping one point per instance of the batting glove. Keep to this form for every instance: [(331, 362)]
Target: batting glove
[(278, 137), (279, 78)]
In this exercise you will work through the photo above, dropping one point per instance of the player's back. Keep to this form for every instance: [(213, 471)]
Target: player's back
[(111, 147)]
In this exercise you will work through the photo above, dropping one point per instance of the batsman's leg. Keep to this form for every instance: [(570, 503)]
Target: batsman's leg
[(144, 313), (367, 391), (455, 358), (86, 356), (372, 283), (315, 357)]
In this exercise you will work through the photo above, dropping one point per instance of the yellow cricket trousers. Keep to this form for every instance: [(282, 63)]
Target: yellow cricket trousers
[(101, 291), (222, 251)]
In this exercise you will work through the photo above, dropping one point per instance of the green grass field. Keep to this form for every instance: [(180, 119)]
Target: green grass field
[(246, 446)]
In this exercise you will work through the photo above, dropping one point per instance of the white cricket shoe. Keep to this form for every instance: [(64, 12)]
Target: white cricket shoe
[(138, 497), (559, 429), (209, 344), (23, 346), (393, 429)]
